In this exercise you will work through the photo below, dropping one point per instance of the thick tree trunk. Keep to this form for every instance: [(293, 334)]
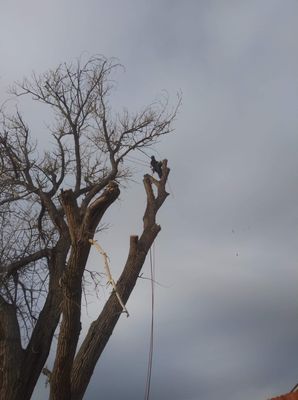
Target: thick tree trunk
[(37, 351), (81, 229), (11, 353), (70, 326)]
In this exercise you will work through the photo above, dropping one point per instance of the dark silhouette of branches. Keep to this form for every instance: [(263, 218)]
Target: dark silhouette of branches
[(51, 205)]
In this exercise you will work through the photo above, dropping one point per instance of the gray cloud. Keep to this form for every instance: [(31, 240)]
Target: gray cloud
[(227, 255)]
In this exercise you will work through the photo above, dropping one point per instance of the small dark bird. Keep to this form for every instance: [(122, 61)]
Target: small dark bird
[(156, 166)]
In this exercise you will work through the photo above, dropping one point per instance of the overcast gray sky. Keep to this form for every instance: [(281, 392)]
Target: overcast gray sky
[(227, 256)]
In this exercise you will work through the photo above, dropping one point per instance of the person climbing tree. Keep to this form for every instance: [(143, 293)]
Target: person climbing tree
[(156, 166)]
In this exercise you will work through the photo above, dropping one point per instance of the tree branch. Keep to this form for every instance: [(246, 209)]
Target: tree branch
[(23, 262), (101, 329)]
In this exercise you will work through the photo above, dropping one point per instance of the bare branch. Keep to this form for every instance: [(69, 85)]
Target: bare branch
[(24, 261)]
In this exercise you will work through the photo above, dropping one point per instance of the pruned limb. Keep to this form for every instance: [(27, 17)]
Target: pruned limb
[(102, 328), (155, 201), (72, 212), (108, 273), (97, 208)]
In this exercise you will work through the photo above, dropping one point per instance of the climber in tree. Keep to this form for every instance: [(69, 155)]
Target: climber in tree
[(156, 166)]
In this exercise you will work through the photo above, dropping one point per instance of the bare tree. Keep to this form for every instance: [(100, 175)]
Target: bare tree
[(52, 203)]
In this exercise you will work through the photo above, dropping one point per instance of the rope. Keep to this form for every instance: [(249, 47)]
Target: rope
[(142, 151), (170, 189), (150, 358), (136, 161)]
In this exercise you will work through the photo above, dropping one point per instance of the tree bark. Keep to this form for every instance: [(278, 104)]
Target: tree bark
[(101, 329), (11, 352), (39, 346), (29, 362), (81, 229)]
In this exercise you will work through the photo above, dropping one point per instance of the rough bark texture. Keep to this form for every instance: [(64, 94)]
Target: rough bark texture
[(101, 329), (10, 351), (39, 346), (29, 362), (81, 228)]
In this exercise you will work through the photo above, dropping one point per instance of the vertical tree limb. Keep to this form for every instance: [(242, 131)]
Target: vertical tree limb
[(102, 328), (11, 352)]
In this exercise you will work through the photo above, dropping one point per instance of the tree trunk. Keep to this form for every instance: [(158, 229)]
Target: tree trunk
[(101, 329), (37, 351), (81, 229), (70, 326), (11, 352)]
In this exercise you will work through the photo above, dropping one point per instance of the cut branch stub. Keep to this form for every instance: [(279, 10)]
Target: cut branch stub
[(98, 207), (154, 202), (72, 213)]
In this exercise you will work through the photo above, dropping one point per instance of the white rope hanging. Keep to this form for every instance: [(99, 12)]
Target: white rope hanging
[(151, 346)]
